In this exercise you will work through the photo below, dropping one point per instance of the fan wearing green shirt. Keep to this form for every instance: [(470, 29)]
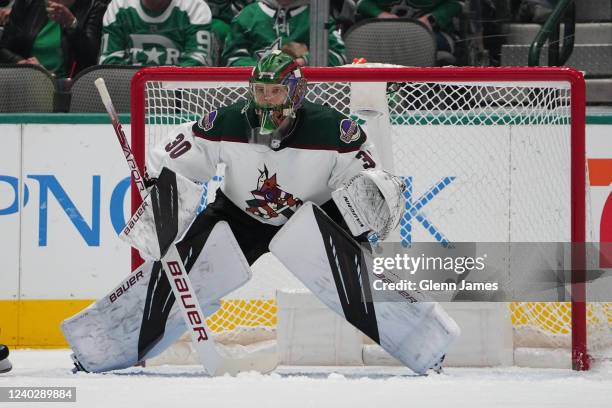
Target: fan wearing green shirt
[(269, 25), (223, 12), (63, 36), (157, 32)]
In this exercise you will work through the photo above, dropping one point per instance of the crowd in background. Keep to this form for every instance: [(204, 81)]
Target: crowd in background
[(66, 36)]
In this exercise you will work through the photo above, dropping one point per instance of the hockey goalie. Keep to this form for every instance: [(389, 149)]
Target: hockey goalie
[(301, 180)]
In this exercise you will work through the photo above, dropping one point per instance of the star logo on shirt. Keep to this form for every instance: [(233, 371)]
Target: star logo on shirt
[(276, 45), (153, 55)]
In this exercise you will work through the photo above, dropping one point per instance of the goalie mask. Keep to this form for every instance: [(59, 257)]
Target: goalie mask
[(277, 90)]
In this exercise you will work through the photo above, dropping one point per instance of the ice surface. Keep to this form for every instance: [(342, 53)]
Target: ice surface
[(379, 387)]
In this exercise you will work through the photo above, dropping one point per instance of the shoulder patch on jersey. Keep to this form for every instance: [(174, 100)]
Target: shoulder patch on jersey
[(207, 121), (349, 131)]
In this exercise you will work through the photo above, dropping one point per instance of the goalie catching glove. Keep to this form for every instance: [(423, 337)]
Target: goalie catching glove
[(371, 201)]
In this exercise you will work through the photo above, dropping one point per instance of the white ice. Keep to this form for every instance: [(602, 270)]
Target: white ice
[(375, 387)]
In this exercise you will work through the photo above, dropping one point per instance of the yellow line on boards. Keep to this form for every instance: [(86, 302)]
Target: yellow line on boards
[(36, 323)]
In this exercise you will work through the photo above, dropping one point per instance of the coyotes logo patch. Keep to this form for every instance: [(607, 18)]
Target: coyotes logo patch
[(207, 121), (349, 131), (269, 200)]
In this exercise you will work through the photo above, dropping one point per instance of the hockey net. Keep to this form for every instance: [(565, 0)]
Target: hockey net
[(511, 140)]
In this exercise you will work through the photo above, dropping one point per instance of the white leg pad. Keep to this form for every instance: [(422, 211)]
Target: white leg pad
[(105, 336)]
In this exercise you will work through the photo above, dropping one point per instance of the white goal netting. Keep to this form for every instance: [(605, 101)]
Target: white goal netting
[(484, 160)]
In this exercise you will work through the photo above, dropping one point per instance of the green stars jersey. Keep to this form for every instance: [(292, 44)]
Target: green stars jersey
[(179, 35), (226, 10), (323, 151), (223, 11), (260, 28)]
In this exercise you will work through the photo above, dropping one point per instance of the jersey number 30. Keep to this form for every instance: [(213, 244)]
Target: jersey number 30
[(178, 146)]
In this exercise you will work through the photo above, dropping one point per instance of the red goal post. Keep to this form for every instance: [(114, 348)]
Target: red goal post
[(444, 75)]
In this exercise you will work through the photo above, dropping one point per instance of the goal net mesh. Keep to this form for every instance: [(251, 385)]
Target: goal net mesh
[(503, 150)]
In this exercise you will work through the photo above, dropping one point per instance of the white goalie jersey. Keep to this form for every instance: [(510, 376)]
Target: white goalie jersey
[(324, 150)]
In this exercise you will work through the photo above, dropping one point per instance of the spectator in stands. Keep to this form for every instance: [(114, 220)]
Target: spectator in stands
[(276, 24), (223, 12), (157, 32), (482, 32), (5, 10), (437, 15), (535, 11), (343, 12), (63, 36)]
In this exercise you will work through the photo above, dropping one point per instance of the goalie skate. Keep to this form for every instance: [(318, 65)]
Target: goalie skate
[(5, 364)]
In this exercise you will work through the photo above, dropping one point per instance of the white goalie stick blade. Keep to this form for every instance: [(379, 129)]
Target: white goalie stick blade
[(261, 357), (140, 317), (335, 268)]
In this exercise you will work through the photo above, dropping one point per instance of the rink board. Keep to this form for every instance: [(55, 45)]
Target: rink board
[(60, 250)]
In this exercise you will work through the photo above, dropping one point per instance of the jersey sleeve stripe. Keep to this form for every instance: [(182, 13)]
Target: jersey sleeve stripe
[(199, 132), (110, 16), (116, 54), (338, 149), (198, 12), (199, 56), (340, 57)]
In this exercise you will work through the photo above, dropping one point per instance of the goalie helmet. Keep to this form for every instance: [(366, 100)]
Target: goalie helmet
[(277, 89)]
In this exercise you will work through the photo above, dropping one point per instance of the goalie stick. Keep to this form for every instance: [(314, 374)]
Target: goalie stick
[(201, 336)]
